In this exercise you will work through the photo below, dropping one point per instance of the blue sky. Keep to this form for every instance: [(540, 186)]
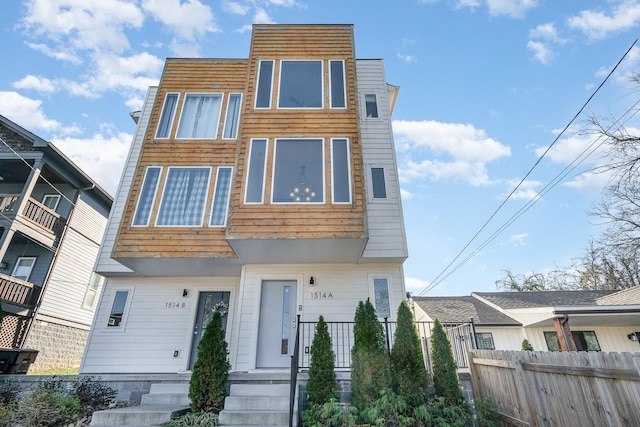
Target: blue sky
[(486, 87)]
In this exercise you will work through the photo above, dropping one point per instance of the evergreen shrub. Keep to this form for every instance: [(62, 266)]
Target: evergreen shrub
[(322, 385)]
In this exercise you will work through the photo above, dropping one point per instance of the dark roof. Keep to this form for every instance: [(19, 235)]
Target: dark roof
[(511, 300), (461, 309)]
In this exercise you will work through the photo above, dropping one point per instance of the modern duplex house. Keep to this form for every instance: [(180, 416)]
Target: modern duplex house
[(263, 187), (52, 220)]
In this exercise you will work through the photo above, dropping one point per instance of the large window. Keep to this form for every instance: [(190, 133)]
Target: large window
[(265, 82), (341, 177), (298, 171), (381, 295), (221, 197), (255, 178), (300, 84), (338, 94), (233, 116), (184, 196), (584, 340), (147, 196), (200, 116), (378, 185), (485, 341), (23, 268), (166, 118)]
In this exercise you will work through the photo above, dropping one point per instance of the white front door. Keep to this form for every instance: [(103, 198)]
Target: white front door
[(277, 328)]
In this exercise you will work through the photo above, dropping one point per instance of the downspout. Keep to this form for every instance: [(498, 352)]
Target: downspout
[(564, 332)]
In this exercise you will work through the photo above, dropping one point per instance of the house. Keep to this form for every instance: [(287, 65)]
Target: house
[(266, 188), (52, 220), (584, 320)]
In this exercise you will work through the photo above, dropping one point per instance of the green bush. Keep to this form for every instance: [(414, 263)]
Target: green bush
[(8, 391), (370, 369), (487, 412), (409, 376), (93, 395), (45, 407), (445, 368), (208, 383), (329, 414), (193, 419), (389, 410), (438, 412), (526, 346), (322, 385)]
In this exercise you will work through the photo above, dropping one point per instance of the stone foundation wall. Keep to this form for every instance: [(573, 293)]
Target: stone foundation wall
[(59, 346)]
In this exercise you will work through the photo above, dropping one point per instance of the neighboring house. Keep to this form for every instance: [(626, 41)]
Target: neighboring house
[(549, 320), (266, 187), (52, 220)]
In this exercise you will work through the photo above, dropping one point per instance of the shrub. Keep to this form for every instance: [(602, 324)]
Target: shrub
[(526, 346), (409, 376), (329, 414), (389, 410), (487, 412), (93, 395), (45, 407), (210, 373), (193, 419), (370, 370), (445, 368), (8, 391), (438, 412), (322, 385)]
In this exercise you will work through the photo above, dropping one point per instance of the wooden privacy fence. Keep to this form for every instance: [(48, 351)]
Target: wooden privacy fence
[(533, 388)]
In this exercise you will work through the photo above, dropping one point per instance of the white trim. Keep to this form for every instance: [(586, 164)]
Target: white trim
[(344, 85), (369, 174), (215, 191), (164, 187), (264, 170), (273, 72), (321, 85), (173, 115), (125, 312), (364, 107), (55, 197), (273, 173), (333, 201), (224, 128), (184, 103), (100, 280), (16, 266), (372, 293), (155, 194)]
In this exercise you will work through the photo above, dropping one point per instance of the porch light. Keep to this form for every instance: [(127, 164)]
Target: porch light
[(633, 336), (302, 191), (312, 281)]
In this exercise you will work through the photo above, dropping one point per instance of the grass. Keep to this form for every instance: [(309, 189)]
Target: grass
[(56, 371)]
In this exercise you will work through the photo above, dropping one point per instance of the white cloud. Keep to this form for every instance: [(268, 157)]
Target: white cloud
[(590, 182), (188, 20), (409, 59), (511, 8), (567, 150), (527, 190), (547, 32), (598, 25), (39, 84), (415, 286), (518, 239), (235, 8), (262, 17), (61, 54), (26, 112), (471, 4), (472, 172), (541, 52)]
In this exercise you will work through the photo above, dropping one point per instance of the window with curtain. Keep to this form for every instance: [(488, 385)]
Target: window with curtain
[(254, 192), (300, 84), (233, 116), (147, 196), (200, 116), (166, 117), (221, 197), (338, 95), (341, 178), (184, 196)]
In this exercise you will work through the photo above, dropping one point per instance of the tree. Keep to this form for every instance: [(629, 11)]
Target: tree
[(409, 376), (445, 368), (526, 345), (370, 370), (208, 383), (322, 385)]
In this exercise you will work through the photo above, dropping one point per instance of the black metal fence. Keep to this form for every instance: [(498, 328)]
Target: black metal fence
[(461, 336)]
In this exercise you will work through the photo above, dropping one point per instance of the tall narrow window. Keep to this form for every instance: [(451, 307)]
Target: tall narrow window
[(298, 175), (371, 106), (91, 294), (184, 196), (200, 116), (166, 118), (233, 116), (265, 79), (147, 196), (221, 198), (255, 178), (338, 95), (286, 315), (23, 268), (378, 184), (340, 171), (51, 201), (117, 309), (300, 84), (381, 293)]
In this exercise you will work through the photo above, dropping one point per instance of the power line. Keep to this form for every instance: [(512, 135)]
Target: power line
[(438, 279)]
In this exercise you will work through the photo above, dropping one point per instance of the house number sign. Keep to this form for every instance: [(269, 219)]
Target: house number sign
[(173, 304), (321, 295)]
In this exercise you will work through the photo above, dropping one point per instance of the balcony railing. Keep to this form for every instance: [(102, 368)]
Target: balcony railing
[(42, 215), (8, 202), (16, 291)]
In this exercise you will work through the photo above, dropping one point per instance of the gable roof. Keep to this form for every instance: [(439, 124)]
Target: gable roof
[(515, 300), (461, 309), (629, 296)]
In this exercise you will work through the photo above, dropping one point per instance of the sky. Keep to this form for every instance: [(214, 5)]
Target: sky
[(495, 162)]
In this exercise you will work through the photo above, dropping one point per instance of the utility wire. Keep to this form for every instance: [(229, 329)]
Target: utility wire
[(436, 280)]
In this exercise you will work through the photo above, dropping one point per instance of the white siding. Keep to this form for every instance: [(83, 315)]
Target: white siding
[(73, 265), (152, 331), (105, 264), (384, 217), (505, 338), (610, 338)]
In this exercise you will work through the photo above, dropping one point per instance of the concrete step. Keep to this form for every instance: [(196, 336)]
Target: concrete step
[(259, 390), (175, 388), (137, 415), (256, 402), (253, 418)]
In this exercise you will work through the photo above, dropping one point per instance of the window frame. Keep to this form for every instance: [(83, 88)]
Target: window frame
[(484, 335), (548, 335), (372, 293), (220, 95), (344, 84), (364, 104), (273, 172), (216, 188), (121, 327), (171, 117), (280, 85), (372, 186), (236, 124), (153, 197), (333, 174), (93, 287), (164, 187), (573, 336), (55, 197), (17, 264), (249, 169), (258, 87)]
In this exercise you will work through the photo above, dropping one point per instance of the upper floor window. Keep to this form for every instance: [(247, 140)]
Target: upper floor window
[(298, 175), (221, 197), (378, 185), (23, 268), (200, 116), (336, 76), (166, 117), (265, 83), (300, 84), (51, 201), (341, 176), (184, 196), (91, 294), (233, 116), (371, 106), (255, 177), (147, 196)]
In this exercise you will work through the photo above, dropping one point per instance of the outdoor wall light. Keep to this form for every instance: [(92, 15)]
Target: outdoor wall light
[(633, 336), (185, 292), (312, 281)]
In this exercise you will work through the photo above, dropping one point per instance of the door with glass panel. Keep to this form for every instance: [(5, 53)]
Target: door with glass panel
[(208, 303), (276, 330)]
